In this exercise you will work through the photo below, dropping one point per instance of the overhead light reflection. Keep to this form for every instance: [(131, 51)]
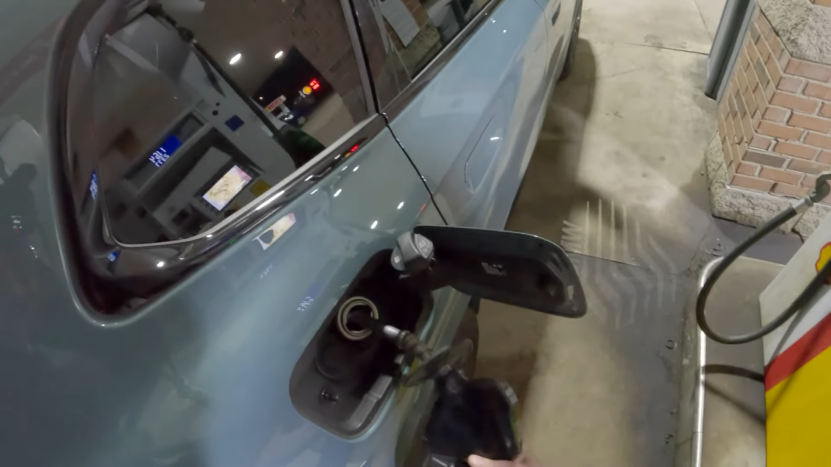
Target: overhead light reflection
[(235, 58), (374, 224), (356, 168), (504, 31), (494, 138), (337, 193), (209, 235), (401, 205), (160, 264), (279, 54), (269, 200), (313, 191)]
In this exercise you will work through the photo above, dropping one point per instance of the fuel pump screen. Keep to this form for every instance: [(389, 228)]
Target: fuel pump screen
[(226, 188)]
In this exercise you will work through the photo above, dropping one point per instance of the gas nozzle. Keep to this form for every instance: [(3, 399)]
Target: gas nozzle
[(821, 187), (469, 416), (433, 364)]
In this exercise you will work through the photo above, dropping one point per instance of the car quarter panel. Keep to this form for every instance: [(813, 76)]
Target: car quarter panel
[(472, 125), (201, 376)]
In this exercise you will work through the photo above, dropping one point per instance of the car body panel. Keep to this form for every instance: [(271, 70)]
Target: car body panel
[(558, 18), (200, 377), (469, 129)]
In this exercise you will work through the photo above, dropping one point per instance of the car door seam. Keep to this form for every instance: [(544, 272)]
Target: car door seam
[(420, 176)]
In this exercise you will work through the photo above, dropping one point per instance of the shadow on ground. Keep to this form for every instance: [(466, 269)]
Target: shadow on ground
[(551, 187), (603, 389), (544, 201)]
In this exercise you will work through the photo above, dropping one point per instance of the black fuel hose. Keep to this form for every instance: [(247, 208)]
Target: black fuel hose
[(813, 287)]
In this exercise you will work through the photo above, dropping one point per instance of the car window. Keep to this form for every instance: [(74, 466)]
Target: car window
[(183, 136), (405, 35)]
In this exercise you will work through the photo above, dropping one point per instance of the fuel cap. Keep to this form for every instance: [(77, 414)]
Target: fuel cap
[(412, 254)]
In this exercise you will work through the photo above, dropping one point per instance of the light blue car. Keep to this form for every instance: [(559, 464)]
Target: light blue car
[(195, 192)]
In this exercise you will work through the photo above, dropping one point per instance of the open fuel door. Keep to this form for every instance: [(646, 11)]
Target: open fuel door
[(508, 267)]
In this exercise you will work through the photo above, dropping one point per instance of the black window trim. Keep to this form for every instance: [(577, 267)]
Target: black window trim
[(146, 278), (365, 73)]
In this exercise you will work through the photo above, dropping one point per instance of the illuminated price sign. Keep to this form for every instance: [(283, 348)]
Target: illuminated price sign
[(161, 155), (93, 185), (313, 85)]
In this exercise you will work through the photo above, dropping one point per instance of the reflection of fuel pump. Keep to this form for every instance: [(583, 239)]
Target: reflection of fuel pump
[(796, 341)]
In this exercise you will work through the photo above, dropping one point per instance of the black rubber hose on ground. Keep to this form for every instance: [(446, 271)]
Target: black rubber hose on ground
[(813, 287)]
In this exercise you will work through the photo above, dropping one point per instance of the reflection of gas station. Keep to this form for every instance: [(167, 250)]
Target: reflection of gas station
[(194, 148), (296, 93), (194, 156), (202, 139)]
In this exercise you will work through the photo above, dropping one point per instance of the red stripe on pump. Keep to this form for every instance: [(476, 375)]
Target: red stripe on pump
[(813, 343)]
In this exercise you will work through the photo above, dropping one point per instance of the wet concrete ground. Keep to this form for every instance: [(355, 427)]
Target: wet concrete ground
[(617, 177)]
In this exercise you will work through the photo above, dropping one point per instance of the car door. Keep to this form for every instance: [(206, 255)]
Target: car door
[(559, 17), (469, 108), (166, 285)]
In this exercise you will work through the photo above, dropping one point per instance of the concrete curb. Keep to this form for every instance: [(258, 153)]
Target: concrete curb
[(805, 28)]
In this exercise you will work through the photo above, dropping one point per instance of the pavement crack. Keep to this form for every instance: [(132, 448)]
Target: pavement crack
[(663, 47), (620, 73), (701, 15)]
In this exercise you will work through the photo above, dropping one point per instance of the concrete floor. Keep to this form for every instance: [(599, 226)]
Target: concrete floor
[(618, 175)]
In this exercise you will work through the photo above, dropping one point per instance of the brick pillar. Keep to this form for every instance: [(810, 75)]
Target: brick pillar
[(775, 118)]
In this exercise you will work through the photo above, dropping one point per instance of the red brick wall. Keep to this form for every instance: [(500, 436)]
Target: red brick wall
[(775, 118)]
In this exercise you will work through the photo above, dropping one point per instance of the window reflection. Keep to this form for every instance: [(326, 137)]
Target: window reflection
[(182, 140), (409, 34)]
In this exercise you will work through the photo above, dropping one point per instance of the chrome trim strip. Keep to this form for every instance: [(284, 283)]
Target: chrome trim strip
[(700, 379), (151, 267), (403, 99), (178, 256)]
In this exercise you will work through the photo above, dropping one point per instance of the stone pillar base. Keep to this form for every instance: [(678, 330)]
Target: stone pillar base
[(751, 207)]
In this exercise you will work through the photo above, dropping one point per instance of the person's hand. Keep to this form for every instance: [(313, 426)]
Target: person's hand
[(524, 460)]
